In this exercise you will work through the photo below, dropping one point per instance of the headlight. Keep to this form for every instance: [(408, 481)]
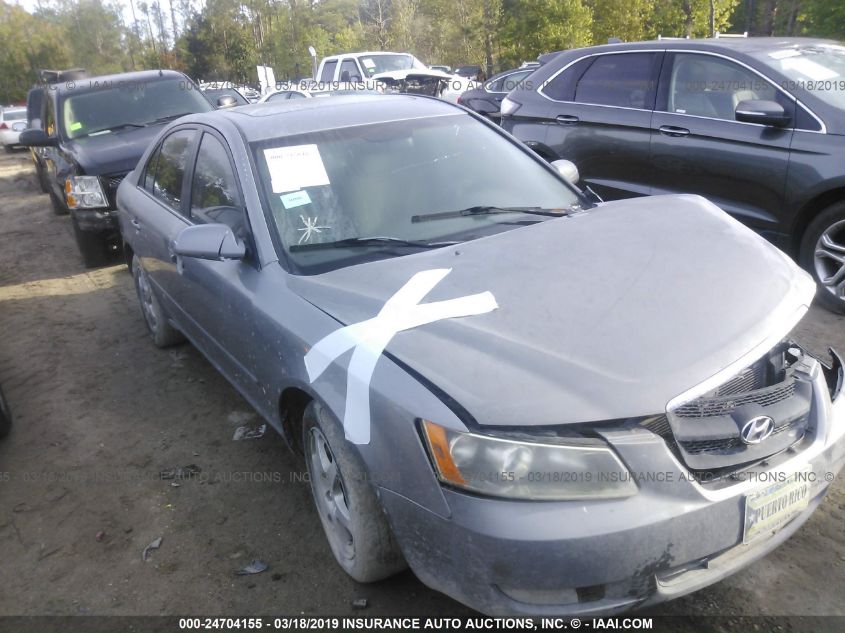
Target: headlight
[(509, 106), (84, 192), (526, 470)]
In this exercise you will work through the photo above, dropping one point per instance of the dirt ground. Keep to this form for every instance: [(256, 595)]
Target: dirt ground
[(100, 412)]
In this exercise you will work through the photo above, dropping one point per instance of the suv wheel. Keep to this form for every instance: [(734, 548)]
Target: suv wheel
[(353, 520), (823, 254), (42, 178), (158, 324), (94, 247)]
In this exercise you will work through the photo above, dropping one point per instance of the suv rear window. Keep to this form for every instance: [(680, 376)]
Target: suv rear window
[(129, 103), (623, 80)]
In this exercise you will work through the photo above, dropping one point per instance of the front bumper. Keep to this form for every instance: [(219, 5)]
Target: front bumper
[(675, 536), (96, 220)]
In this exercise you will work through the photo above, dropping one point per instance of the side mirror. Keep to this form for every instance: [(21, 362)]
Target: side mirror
[(214, 242), (568, 170), (226, 101), (761, 111), (36, 137)]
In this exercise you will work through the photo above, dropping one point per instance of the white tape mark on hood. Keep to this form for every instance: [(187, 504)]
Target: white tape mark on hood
[(402, 311)]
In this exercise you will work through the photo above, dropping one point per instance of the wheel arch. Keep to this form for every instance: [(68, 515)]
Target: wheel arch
[(292, 403), (810, 211)]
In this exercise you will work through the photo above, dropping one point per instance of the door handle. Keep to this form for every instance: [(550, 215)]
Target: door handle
[(671, 130), (134, 222), (567, 119)]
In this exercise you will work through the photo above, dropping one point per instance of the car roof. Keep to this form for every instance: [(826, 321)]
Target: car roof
[(339, 55), (302, 116), (102, 82), (746, 45)]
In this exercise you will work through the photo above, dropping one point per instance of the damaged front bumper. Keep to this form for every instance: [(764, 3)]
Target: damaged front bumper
[(677, 535)]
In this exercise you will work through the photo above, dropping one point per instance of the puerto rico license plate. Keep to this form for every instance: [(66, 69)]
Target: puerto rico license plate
[(770, 508)]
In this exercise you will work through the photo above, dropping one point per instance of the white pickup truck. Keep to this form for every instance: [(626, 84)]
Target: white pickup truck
[(401, 70)]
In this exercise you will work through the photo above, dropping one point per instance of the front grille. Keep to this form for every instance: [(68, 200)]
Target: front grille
[(111, 183), (705, 433), (730, 444), (712, 407)]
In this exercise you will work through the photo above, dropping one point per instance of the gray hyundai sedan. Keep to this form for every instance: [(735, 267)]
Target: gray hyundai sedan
[(539, 404)]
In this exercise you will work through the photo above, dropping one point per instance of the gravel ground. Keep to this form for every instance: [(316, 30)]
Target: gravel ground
[(100, 412)]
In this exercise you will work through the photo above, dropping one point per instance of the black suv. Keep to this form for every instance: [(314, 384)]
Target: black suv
[(90, 133), (754, 124)]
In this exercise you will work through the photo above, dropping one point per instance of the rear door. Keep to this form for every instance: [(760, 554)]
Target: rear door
[(163, 213), (601, 119), (697, 145)]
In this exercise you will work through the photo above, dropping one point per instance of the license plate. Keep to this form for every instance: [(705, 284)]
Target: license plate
[(770, 508)]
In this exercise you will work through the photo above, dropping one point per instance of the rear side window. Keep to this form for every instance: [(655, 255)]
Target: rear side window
[(623, 80), (328, 71), (508, 82), (170, 168), (148, 181), (214, 192)]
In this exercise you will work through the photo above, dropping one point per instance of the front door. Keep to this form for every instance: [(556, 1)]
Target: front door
[(698, 146)]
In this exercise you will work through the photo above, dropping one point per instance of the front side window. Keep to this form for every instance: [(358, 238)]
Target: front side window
[(623, 80), (214, 191), (349, 71), (387, 179), (114, 106), (170, 168), (148, 182), (707, 86), (818, 69)]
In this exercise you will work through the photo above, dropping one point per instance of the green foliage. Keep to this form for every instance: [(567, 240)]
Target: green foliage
[(226, 39)]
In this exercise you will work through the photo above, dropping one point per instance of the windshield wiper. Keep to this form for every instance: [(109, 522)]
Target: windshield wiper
[(490, 210), (169, 117), (354, 242), (113, 128)]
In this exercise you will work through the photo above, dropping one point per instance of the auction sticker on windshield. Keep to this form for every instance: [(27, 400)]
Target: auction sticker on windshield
[(769, 509), (295, 167)]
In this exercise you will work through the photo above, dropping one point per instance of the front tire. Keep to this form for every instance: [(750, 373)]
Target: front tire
[(59, 207), (158, 324), (5, 416), (822, 254), (353, 520)]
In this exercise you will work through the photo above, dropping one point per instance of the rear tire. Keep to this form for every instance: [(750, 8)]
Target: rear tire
[(158, 324), (93, 246), (353, 519), (822, 254)]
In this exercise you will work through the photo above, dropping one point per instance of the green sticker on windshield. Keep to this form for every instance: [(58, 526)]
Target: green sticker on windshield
[(296, 199), (75, 126)]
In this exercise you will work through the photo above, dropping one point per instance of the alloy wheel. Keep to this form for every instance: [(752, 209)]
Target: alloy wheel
[(146, 295), (829, 259), (330, 495)]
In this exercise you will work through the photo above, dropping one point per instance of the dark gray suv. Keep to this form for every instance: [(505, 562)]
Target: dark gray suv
[(754, 124)]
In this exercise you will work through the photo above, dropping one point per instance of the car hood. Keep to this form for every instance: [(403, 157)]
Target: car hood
[(602, 315), (112, 153)]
